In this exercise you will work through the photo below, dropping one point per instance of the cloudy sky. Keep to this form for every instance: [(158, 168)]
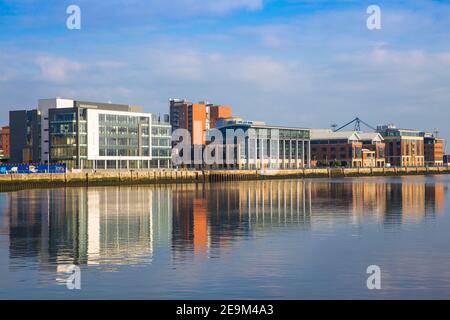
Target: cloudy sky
[(306, 63)]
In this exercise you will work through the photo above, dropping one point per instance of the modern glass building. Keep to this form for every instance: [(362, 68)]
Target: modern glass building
[(161, 142), (92, 135), (260, 146)]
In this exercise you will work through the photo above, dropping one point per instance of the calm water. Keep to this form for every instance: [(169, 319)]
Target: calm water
[(289, 239)]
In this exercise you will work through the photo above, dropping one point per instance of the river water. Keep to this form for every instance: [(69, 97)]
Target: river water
[(279, 239)]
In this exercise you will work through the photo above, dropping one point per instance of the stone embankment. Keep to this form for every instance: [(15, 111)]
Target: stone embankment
[(11, 182)]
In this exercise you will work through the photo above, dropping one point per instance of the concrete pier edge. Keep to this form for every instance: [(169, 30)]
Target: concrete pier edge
[(12, 182)]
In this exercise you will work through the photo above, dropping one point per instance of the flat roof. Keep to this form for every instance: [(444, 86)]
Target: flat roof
[(262, 126), (108, 106), (327, 134)]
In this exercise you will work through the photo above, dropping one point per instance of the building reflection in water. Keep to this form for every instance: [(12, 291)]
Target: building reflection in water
[(127, 225), (89, 226)]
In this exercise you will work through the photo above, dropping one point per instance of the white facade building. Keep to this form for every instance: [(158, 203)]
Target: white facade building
[(91, 135)]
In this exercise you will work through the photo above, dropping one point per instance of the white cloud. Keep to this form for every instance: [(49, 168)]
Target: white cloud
[(57, 69), (267, 73)]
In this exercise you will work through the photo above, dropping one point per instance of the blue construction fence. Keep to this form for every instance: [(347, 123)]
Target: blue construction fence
[(32, 168)]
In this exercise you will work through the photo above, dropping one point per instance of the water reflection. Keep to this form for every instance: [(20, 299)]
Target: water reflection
[(128, 225), (89, 226)]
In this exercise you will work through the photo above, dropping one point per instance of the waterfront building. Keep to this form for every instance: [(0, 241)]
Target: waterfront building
[(342, 148), (368, 158), (4, 144), (94, 135), (25, 128), (256, 145), (373, 142), (433, 149), (404, 147), (447, 159), (197, 118), (161, 144)]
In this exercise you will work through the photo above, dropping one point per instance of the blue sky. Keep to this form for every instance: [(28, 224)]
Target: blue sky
[(306, 63)]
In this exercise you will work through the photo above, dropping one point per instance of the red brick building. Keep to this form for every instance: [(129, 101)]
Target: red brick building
[(196, 117), (5, 143), (330, 148), (374, 142), (347, 148), (433, 150), (404, 147)]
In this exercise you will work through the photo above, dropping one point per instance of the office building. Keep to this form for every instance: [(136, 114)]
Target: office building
[(255, 145), (433, 149), (342, 148), (25, 128), (93, 135), (197, 118), (404, 147), (373, 143)]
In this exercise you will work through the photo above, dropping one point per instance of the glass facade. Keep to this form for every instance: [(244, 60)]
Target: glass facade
[(270, 147), (161, 143), (63, 135), (124, 136), (125, 141)]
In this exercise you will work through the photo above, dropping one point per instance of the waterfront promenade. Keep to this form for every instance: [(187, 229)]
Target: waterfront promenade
[(22, 181)]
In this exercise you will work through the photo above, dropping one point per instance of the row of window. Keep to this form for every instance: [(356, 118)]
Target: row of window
[(161, 153), (344, 141), (120, 130), (401, 134), (162, 131), (161, 142), (122, 164), (266, 149), (121, 119), (68, 140), (133, 142), (110, 152), (66, 152)]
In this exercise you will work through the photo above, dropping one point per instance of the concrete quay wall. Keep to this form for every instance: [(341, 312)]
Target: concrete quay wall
[(11, 182)]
